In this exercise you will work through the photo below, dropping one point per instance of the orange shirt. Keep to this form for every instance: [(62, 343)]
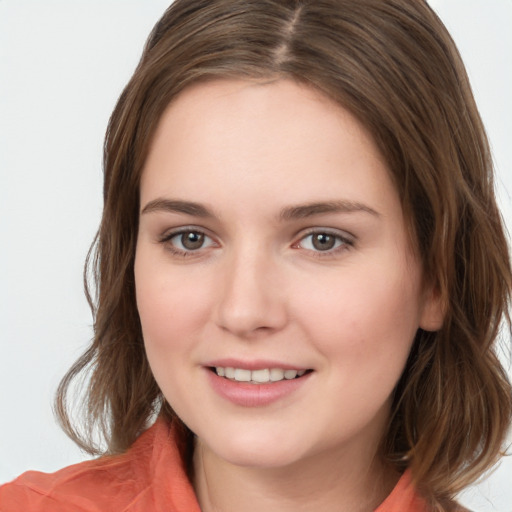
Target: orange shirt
[(149, 477)]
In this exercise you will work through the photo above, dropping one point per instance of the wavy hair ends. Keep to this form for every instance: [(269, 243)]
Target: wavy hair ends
[(395, 67)]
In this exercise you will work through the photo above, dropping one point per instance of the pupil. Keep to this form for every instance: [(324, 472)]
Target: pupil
[(323, 242), (192, 240)]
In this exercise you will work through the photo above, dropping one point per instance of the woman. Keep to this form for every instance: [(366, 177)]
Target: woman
[(327, 231)]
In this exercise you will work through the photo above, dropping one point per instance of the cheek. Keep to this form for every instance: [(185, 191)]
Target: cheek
[(159, 311), (171, 312), (366, 318), (168, 301)]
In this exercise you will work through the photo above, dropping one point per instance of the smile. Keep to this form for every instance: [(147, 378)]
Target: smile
[(256, 383), (262, 376)]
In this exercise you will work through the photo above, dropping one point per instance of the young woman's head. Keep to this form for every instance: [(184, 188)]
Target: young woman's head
[(307, 186)]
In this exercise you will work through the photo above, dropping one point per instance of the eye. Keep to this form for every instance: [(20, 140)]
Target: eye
[(187, 241), (324, 241)]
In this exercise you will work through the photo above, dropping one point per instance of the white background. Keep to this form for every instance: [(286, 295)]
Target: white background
[(62, 66)]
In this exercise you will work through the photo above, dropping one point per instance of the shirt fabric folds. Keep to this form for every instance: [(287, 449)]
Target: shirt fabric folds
[(149, 477)]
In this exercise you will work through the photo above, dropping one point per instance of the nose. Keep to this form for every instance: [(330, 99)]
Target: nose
[(252, 299)]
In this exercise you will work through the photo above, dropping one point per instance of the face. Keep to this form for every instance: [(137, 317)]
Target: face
[(276, 285)]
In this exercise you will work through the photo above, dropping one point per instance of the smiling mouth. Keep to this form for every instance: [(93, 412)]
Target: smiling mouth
[(263, 376)]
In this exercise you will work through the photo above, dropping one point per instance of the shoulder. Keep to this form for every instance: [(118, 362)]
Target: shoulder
[(121, 482), (405, 497), (105, 482)]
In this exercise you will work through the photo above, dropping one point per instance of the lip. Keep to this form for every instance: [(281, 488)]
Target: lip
[(256, 364), (246, 394)]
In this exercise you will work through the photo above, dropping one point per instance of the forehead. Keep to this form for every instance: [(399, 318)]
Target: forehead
[(225, 129)]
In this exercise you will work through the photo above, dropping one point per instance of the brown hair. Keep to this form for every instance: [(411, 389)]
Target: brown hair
[(395, 67)]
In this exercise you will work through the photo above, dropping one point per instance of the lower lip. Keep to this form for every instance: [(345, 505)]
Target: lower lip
[(254, 395)]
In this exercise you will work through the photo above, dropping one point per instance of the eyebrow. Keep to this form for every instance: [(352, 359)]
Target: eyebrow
[(176, 206), (320, 208), (286, 214)]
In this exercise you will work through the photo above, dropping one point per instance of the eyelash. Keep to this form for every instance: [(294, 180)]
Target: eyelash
[(167, 238), (344, 242)]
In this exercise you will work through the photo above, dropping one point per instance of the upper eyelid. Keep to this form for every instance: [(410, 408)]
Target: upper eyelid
[(171, 232), (328, 231)]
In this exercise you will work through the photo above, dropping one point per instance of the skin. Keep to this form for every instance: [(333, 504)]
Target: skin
[(259, 288)]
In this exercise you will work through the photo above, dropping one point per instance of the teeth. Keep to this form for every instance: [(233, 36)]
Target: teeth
[(258, 376), (276, 374), (243, 375)]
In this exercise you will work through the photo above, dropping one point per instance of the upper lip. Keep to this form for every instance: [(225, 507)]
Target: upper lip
[(255, 364)]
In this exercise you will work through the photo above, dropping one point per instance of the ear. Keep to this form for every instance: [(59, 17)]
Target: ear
[(434, 310)]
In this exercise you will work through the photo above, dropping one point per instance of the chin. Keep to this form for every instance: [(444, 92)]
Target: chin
[(258, 459), (253, 450)]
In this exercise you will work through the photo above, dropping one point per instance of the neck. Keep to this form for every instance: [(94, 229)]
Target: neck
[(330, 481)]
